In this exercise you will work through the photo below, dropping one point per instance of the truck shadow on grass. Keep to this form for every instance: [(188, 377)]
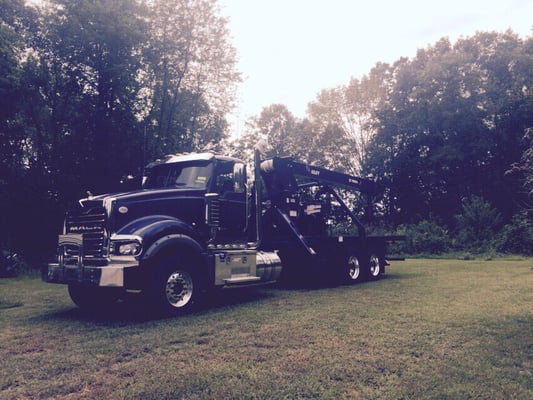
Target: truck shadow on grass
[(133, 310)]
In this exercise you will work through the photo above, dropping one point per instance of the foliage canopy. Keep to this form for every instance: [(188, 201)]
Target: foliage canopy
[(91, 91)]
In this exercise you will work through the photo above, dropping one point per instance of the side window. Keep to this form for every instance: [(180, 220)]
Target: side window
[(239, 178), (230, 177), (224, 180), (224, 183)]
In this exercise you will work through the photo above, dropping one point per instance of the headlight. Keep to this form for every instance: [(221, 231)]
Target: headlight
[(129, 249), (126, 245)]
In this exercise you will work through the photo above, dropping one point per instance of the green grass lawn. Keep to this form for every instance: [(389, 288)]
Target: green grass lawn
[(430, 329)]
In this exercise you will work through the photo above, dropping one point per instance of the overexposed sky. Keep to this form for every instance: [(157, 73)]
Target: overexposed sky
[(289, 50)]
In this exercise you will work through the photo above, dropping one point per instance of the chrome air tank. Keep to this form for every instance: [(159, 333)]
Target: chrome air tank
[(268, 266)]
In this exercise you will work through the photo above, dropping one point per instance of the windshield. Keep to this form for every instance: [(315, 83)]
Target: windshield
[(194, 175)]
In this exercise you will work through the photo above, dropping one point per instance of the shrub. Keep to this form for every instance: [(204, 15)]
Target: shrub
[(425, 237), (10, 264), (476, 227), (517, 237)]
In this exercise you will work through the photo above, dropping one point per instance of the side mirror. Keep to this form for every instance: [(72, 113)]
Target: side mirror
[(239, 178)]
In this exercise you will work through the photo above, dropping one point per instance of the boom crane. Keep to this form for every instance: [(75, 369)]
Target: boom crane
[(284, 176)]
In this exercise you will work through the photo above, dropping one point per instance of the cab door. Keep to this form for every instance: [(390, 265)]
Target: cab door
[(232, 200)]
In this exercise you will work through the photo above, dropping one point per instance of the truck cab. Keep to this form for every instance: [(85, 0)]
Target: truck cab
[(213, 176), (114, 243)]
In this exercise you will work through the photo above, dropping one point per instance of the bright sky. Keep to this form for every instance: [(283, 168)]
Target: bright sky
[(289, 50)]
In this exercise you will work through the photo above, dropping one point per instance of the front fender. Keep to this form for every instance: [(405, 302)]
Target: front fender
[(183, 241), (158, 231)]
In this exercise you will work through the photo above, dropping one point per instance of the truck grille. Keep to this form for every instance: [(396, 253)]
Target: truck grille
[(91, 224)]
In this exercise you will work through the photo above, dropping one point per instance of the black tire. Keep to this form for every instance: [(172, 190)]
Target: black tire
[(93, 298), (175, 285)]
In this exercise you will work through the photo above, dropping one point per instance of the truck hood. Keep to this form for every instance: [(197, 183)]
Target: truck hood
[(139, 195), (185, 204)]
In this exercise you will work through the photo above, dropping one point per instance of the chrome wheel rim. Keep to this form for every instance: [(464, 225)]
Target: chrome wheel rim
[(375, 267), (354, 268), (179, 288)]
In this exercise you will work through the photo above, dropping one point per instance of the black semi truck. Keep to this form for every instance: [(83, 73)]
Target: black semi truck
[(198, 224)]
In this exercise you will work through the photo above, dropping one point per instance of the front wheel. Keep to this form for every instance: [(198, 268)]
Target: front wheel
[(175, 286)]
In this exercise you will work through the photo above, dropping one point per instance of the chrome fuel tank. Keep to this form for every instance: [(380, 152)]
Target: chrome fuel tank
[(268, 266)]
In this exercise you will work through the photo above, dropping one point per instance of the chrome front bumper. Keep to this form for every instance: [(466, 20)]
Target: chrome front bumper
[(112, 275), (74, 268)]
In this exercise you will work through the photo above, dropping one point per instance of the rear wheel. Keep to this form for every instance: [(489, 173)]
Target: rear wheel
[(374, 268), (352, 270), (175, 286)]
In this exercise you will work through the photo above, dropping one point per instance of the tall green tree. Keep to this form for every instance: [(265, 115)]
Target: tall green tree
[(277, 125), (191, 76), (334, 131), (452, 125), (91, 54), (522, 172), (276, 131), (16, 29), (342, 121)]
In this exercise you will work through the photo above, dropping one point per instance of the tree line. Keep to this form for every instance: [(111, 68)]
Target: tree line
[(447, 134), (93, 90)]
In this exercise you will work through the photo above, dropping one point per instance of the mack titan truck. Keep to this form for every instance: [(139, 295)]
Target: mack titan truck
[(199, 223)]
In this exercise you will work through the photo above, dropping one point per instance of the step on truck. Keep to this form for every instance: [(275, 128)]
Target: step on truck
[(198, 223)]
